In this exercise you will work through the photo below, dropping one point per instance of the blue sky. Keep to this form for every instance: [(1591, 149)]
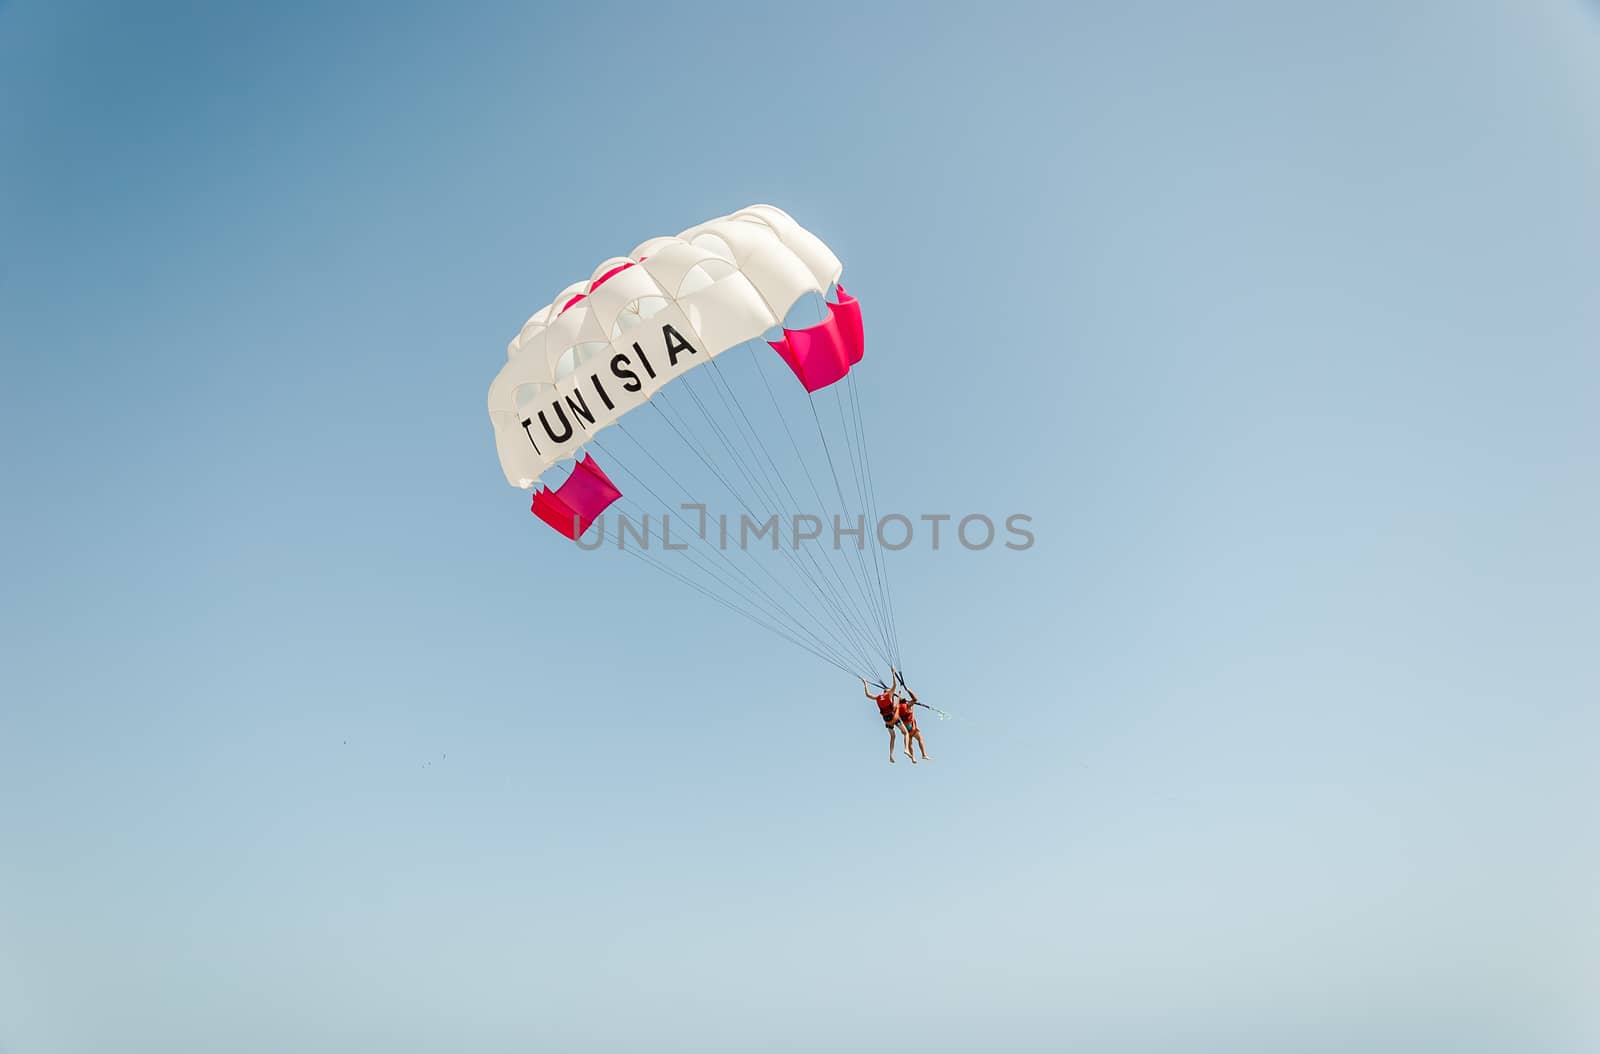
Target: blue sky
[(1280, 320)]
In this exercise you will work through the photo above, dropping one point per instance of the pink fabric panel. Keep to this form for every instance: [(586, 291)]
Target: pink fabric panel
[(573, 506), (820, 355)]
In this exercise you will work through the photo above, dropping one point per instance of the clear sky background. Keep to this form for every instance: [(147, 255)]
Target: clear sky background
[(1283, 321)]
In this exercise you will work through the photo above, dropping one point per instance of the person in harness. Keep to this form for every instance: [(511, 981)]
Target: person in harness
[(908, 722), (889, 710)]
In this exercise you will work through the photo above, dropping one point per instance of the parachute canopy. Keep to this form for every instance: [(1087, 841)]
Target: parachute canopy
[(605, 346), (634, 335)]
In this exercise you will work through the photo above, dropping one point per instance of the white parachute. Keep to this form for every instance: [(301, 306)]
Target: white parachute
[(626, 339)]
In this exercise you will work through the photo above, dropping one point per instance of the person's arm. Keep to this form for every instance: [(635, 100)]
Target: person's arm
[(865, 689)]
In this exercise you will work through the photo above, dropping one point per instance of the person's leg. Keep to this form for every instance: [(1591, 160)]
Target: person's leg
[(905, 732), (921, 745), (891, 744)]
